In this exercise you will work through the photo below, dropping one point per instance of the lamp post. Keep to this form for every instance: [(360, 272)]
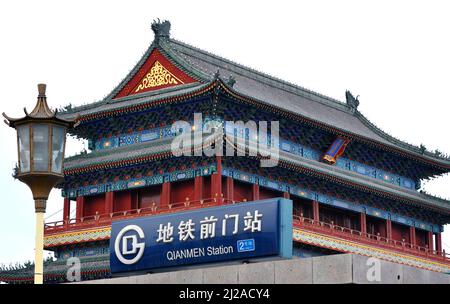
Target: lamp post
[(41, 141)]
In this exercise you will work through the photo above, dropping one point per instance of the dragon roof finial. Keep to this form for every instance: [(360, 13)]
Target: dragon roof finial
[(161, 28), (352, 102)]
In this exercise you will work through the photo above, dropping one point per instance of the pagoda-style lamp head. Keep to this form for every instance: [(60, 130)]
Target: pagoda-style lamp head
[(41, 141)]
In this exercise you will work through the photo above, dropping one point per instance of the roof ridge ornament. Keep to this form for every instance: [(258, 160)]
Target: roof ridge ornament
[(351, 101), (217, 74), (161, 29), (231, 80)]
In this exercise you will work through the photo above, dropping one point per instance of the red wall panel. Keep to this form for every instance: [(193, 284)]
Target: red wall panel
[(224, 187), (207, 187), (182, 190), (242, 191), (339, 217), (421, 238), (302, 206), (94, 204), (400, 232), (269, 193), (375, 226), (122, 201), (148, 196)]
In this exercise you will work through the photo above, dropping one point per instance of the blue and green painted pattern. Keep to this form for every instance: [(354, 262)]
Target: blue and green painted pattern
[(156, 179), (284, 145), (328, 200)]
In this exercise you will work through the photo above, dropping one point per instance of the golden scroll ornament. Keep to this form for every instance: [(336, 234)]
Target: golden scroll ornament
[(158, 76)]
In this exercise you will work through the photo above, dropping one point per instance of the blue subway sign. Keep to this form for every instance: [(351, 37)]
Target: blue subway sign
[(224, 233), (246, 245)]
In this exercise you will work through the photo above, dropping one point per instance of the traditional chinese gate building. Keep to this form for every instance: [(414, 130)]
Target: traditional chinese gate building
[(354, 187)]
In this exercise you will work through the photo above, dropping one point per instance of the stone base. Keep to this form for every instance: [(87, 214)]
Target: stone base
[(330, 269)]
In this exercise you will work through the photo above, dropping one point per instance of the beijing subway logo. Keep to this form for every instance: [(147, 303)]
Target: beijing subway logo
[(121, 245)]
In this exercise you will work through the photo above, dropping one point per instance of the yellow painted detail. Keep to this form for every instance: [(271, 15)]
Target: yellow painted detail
[(158, 76)]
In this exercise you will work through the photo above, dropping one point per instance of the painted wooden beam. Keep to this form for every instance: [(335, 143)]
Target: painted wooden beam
[(336, 149)]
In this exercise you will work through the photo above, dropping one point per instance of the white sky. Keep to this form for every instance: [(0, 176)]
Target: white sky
[(395, 55)]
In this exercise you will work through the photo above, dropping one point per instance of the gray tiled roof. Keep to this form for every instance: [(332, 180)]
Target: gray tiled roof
[(291, 97), (264, 88), (126, 152), (107, 105)]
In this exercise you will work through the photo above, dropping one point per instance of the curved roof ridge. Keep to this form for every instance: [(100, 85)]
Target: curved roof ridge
[(270, 79), (295, 88), (190, 59), (395, 140), (115, 90), (109, 97), (81, 107), (144, 98), (434, 196), (160, 45), (132, 72)]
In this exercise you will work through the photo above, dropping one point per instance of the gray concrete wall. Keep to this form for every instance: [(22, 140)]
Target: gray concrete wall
[(331, 269)]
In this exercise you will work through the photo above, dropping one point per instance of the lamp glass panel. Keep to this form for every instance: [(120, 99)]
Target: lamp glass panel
[(58, 136), (24, 148), (40, 147)]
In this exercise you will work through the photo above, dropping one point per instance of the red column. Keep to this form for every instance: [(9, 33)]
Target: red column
[(255, 191), (430, 240), (363, 223), (216, 181), (66, 209), (219, 164), (198, 188), (165, 195), (316, 211), (129, 201), (286, 195), (389, 229), (216, 187), (109, 202), (134, 201), (230, 192), (438, 242), (80, 206), (219, 179), (412, 235)]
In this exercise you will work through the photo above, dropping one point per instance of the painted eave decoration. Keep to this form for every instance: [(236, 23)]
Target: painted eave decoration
[(156, 73)]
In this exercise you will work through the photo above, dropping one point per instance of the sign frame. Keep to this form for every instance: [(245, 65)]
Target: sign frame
[(143, 252)]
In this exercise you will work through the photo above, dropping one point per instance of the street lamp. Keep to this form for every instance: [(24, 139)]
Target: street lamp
[(41, 141)]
